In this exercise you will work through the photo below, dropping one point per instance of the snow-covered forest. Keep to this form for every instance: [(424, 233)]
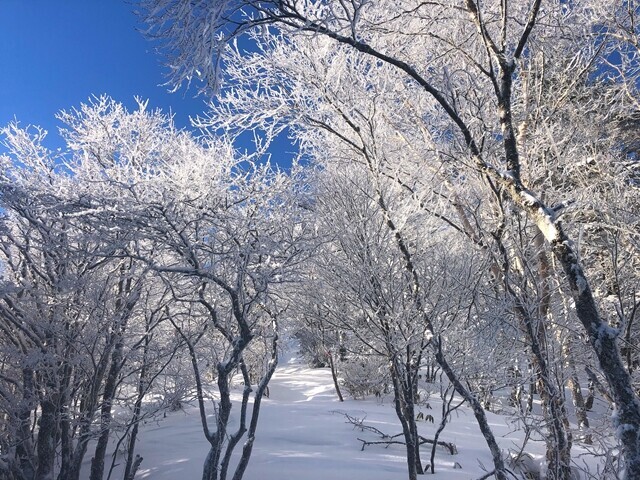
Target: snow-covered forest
[(445, 282)]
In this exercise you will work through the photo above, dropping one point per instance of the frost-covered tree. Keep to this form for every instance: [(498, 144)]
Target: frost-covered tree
[(381, 277), (138, 245), (459, 71), (221, 231), (68, 301)]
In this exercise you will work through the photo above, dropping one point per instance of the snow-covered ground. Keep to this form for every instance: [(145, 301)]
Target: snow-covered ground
[(302, 434)]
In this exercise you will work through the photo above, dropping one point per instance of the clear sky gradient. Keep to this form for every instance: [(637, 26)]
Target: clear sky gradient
[(55, 54)]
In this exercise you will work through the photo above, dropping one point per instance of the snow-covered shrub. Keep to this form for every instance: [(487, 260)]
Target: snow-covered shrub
[(526, 465), (176, 385), (365, 376)]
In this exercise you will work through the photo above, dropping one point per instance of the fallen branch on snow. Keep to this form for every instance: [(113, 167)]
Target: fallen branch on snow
[(391, 439), (451, 447)]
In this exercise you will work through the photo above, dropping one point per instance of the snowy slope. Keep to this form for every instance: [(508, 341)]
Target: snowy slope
[(303, 435)]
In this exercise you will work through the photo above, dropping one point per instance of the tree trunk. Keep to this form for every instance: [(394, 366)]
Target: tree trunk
[(558, 439), (218, 439), (88, 406), (401, 412), (446, 411), (603, 341), (478, 411), (66, 431), (97, 462), (242, 427), (128, 295), (253, 424), (210, 468), (130, 465), (24, 448), (47, 426), (334, 375), (573, 383)]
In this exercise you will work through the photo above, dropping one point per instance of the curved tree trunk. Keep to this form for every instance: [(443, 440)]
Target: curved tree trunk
[(603, 340), (481, 417)]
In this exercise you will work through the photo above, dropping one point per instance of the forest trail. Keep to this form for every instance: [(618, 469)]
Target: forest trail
[(303, 435)]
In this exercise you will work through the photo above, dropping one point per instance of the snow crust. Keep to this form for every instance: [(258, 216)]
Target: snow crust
[(528, 198), (548, 228)]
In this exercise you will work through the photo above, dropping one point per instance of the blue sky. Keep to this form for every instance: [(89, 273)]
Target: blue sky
[(55, 54)]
